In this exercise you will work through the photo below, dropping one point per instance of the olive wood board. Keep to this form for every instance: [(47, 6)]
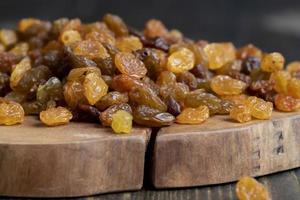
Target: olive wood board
[(77, 159), (220, 150)]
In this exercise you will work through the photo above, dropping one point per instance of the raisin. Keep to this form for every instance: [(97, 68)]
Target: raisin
[(241, 113), (116, 24), (198, 98), (74, 93), (110, 99), (155, 28), (128, 64), (91, 110), (280, 79), (8, 37), (261, 87), (56, 116), (4, 84), (32, 78), (225, 107), (219, 54), (10, 112), (146, 116), (103, 36), (146, 96), (70, 37), (259, 108), (201, 72), (107, 66), (121, 122), (272, 62), (249, 51), (193, 115), (51, 90), (189, 79), (15, 96), (19, 71), (240, 76), (248, 188), (90, 49), (124, 83), (294, 69), (7, 60), (286, 103), (293, 88), (106, 116), (249, 64), (33, 107), (225, 85), (166, 78), (129, 44), (173, 106), (228, 68), (21, 49), (181, 60)]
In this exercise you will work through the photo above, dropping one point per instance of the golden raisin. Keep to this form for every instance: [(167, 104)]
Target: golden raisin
[(8, 37), (74, 93), (259, 108), (219, 54), (293, 88), (241, 113), (20, 49), (280, 79), (181, 60), (155, 28), (10, 112), (19, 71), (193, 115), (249, 51), (248, 188), (129, 44), (293, 68), (225, 85), (103, 36), (70, 37), (121, 122), (116, 24), (24, 24), (94, 87), (90, 49), (128, 64), (56, 116), (286, 103), (272, 62)]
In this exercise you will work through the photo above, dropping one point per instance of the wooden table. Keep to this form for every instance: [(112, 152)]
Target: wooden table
[(282, 186)]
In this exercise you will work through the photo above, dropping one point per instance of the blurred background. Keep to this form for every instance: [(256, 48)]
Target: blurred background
[(273, 25)]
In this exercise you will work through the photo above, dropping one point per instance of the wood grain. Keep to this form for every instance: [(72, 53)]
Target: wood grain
[(282, 186), (73, 160), (221, 151)]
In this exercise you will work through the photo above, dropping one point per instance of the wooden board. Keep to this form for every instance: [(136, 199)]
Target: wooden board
[(220, 151), (73, 160), (281, 186)]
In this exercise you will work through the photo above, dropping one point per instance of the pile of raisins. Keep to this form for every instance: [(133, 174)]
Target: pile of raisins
[(110, 73)]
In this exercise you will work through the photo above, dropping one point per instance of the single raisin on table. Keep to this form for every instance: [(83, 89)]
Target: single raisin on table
[(10, 112), (121, 122), (248, 188), (56, 116)]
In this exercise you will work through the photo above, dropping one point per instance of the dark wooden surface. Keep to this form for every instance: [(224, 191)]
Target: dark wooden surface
[(282, 186)]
